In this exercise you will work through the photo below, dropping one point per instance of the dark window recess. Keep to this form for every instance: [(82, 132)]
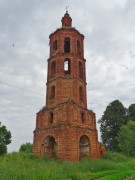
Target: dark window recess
[(53, 68), (78, 47), (52, 92), (81, 93), (67, 45), (80, 69), (82, 117), (55, 45), (67, 66), (51, 118)]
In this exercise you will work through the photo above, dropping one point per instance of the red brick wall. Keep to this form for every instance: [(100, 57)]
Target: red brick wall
[(66, 128)]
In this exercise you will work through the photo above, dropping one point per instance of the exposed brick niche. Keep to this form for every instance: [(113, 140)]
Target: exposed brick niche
[(65, 128)]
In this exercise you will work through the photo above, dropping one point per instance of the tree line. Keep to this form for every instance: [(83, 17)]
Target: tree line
[(117, 126)]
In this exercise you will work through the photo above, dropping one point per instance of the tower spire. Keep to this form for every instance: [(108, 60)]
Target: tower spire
[(67, 9)]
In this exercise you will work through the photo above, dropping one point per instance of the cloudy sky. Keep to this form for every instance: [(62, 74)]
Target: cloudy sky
[(25, 25)]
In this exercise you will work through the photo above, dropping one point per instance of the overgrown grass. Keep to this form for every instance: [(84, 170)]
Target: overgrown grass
[(112, 166)]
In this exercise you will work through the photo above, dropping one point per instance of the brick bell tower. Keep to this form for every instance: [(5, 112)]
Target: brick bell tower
[(65, 128)]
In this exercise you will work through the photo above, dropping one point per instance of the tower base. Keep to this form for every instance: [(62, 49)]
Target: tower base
[(67, 141)]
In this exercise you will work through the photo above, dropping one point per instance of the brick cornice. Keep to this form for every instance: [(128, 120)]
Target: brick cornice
[(62, 126), (66, 55), (60, 30), (65, 78), (67, 102)]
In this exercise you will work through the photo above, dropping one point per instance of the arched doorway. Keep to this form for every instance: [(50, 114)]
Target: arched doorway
[(50, 147), (84, 147)]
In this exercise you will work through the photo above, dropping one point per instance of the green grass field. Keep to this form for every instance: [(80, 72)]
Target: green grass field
[(112, 166)]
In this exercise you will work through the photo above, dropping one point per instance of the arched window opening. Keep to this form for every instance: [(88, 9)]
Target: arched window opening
[(84, 146), (67, 66), (82, 117), (53, 68), (78, 47), (67, 45), (50, 148), (52, 92), (55, 45), (51, 117), (81, 93), (80, 69)]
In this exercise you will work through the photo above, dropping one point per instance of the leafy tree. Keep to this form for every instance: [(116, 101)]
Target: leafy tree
[(113, 118), (5, 139), (126, 138), (131, 112), (26, 147)]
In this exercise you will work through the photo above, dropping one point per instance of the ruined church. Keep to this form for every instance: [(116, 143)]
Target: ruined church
[(65, 128)]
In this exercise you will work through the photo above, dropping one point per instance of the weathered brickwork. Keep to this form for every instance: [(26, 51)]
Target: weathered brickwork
[(65, 128)]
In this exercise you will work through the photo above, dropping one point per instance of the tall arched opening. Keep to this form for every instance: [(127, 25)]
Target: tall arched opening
[(50, 147), (67, 66), (67, 45), (84, 147)]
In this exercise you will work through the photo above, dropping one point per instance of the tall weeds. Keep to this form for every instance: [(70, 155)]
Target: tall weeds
[(16, 166)]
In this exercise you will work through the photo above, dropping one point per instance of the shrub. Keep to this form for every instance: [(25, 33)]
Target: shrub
[(26, 147)]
